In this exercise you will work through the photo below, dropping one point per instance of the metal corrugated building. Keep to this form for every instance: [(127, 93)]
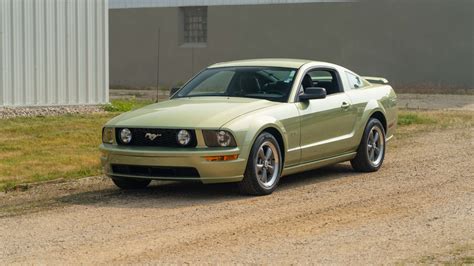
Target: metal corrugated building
[(53, 52)]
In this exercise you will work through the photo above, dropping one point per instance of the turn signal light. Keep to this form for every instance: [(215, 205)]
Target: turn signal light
[(222, 158)]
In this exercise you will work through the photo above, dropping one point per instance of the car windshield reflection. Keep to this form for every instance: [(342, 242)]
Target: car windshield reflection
[(269, 83)]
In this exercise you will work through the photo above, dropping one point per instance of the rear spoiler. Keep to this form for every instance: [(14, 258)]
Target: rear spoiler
[(376, 80)]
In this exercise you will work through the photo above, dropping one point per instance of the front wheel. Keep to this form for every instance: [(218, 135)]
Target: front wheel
[(264, 166), (130, 183), (371, 151)]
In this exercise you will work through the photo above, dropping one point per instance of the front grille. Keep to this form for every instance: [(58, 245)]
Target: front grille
[(154, 171), (167, 137)]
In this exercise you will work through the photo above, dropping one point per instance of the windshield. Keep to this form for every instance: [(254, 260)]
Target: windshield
[(270, 83)]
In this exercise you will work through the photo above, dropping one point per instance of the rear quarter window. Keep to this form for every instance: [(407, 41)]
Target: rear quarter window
[(355, 82)]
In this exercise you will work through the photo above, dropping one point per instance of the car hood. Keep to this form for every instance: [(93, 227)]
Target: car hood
[(194, 112)]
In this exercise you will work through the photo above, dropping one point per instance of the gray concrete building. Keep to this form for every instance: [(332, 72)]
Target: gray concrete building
[(412, 43)]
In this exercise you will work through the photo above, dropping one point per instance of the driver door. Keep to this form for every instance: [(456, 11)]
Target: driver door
[(326, 124)]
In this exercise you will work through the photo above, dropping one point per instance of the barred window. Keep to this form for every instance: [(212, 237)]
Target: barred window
[(195, 24)]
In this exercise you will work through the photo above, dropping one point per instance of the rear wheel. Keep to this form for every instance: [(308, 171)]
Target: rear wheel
[(130, 183), (264, 165), (371, 151)]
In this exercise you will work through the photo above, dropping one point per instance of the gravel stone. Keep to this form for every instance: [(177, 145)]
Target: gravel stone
[(12, 112)]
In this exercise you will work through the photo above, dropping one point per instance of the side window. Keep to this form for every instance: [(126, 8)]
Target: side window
[(215, 83), (320, 76), (355, 81), (324, 78)]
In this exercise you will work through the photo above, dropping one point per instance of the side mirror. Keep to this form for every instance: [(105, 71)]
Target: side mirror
[(174, 90), (313, 93)]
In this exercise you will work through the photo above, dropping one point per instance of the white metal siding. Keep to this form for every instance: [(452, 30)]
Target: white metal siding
[(175, 3), (2, 17), (53, 52)]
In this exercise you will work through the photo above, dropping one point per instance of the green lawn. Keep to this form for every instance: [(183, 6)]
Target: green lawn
[(46, 148)]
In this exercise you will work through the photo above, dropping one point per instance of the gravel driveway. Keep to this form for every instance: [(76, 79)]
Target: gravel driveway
[(417, 208)]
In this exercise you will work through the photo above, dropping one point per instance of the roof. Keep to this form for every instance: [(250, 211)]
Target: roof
[(115, 4), (268, 62)]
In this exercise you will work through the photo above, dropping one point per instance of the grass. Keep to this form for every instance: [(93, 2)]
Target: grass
[(411, 123), (460, 255), (34, 149), (47, 148), (125, 105), (406, 119), (435, 119)]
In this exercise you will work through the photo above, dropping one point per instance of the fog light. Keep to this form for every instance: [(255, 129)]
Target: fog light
[(125, 135), (183, 137)]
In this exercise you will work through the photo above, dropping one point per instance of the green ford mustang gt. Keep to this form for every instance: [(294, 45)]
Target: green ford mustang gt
[(252, 122)]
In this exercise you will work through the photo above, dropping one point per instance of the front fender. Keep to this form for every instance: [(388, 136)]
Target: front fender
[(248, 129)]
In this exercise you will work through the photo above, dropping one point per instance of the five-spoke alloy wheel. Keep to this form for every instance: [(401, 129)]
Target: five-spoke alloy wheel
[(263, 167), (267, 161), (371, 151), (375, 146)]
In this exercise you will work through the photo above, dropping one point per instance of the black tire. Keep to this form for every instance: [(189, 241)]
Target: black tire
[(130, 183), (252, 184), (364, 161)]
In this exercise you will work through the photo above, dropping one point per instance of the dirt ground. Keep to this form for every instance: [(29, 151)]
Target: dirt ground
[(417, 208)]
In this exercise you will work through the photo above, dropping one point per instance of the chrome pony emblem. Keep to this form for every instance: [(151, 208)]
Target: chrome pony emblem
[(152, 136)]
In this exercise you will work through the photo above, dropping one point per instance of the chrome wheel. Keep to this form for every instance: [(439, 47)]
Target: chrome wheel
[(267, 163), (375, 146)]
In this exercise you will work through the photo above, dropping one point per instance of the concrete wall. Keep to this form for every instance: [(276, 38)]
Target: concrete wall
[(408, 42), (53, 52), (174, 3)]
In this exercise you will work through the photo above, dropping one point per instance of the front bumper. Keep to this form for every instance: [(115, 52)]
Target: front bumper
[(209, 171)]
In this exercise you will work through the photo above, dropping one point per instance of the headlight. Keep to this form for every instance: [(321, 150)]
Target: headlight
[(218, 138), (125, 135), (108, 135), (183, 137)]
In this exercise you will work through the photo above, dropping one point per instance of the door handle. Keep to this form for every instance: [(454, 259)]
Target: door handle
[(345, 105)]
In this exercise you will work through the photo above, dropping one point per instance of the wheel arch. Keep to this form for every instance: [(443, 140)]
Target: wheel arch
[(381, 117), (372, 111), (375, 109), (279, 137)]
